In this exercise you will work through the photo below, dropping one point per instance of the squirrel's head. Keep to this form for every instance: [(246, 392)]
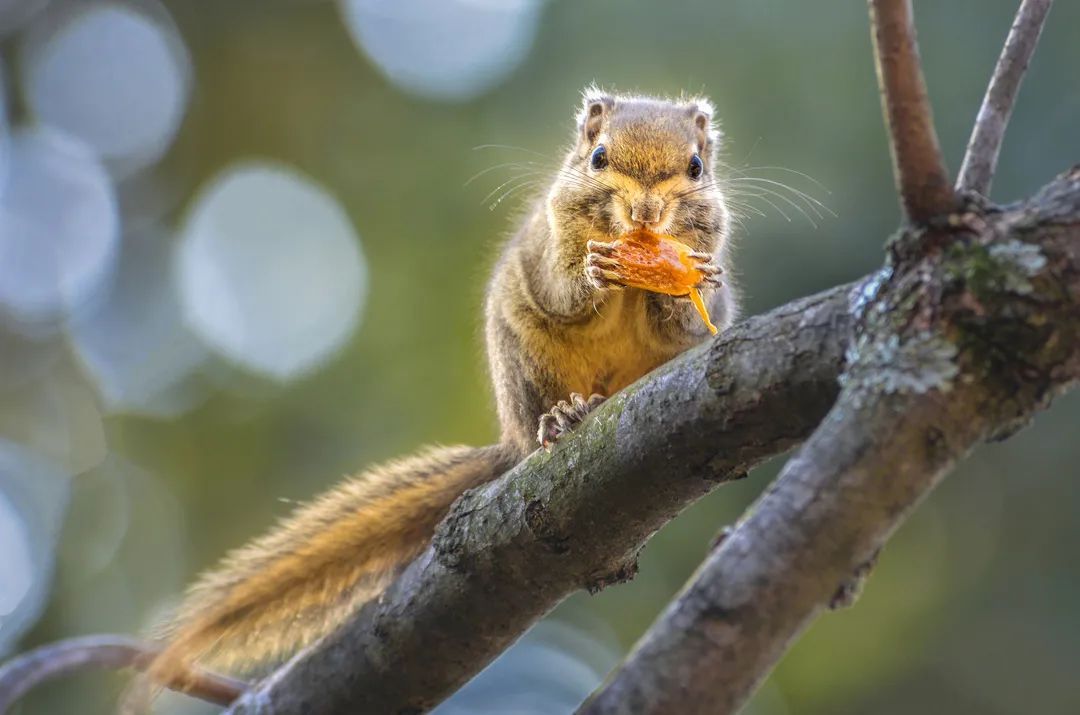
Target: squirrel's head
[(640, 162)]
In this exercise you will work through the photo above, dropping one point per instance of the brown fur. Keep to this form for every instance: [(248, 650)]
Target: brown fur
[(550, 331)]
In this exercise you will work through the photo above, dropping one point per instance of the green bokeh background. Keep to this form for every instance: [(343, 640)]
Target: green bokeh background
[(973, 608)]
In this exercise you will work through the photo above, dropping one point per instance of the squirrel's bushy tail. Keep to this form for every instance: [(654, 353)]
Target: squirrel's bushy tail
[(284, 590)]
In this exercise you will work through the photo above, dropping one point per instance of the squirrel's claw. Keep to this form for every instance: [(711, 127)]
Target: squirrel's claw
[(608, 264), (602, 277), (710, 272), (564, 417), (604, 249), (602, 270)]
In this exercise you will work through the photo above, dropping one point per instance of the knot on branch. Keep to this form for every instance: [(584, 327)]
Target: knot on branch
[(540, 524), (626, 571), (983, 300), (452, 534)]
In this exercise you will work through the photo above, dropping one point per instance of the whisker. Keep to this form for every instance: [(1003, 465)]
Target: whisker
[(581, 175), (770, 203), (696, 190), (499, 188), (810, 200), (511, 147), (510, 192), (747, 206), (790, 171), (488, 170), (790, 202)]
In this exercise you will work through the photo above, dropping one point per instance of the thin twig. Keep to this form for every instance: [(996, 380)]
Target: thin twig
[(918, 168), (75, 655), (980, 160)]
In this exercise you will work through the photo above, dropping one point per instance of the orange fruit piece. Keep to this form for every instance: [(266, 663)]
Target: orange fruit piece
[(661, 264)]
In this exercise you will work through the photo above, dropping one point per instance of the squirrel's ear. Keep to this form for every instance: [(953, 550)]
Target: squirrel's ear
[(595, 107), (701, 111)]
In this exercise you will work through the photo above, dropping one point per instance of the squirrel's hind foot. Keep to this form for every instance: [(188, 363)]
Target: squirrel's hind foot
[(564, 417)]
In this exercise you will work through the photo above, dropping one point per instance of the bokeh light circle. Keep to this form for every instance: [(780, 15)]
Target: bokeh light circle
[(33, 498), (450, 50), (134, 341), (112, 75), (18, 560), (270, 271), (552, 669), (58, 225)]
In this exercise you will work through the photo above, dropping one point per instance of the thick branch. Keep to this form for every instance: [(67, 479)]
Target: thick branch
[(56, 660), (980, 160), (918, 168), (575, 518), (956, 348)]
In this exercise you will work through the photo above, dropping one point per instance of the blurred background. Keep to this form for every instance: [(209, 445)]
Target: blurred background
[(242, 253)]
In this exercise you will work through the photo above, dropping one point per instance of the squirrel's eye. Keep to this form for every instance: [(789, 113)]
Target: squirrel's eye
[(696, 167), (599, 158)]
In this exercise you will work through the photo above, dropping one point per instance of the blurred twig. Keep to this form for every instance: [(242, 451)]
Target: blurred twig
[(980, 160), (56, 660), (919, 171)]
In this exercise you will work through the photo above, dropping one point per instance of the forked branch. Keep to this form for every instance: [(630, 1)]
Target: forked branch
[(980, 160), (929, 378), (918, 169), (918, 395)]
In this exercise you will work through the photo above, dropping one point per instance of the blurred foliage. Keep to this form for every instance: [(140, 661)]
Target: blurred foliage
[(972, 607)]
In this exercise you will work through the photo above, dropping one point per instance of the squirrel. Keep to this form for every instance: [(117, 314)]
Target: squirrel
[(561, 335)]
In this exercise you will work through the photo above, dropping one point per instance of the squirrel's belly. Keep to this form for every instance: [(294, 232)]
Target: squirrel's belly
[(618, 350)]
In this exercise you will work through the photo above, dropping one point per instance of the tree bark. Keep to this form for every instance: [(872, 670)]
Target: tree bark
[(576, 517), (984, 332), (955, 347)]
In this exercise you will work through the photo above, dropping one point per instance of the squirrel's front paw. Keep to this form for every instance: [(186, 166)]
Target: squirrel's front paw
[(710, 272), (602, 269), (564, 416)]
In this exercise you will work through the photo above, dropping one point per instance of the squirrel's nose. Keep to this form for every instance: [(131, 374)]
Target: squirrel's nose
[(646, 209)]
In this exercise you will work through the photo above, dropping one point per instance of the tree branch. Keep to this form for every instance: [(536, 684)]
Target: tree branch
[(957, 347), (980, 160), (56, 660), (918, 168), (512, 550)]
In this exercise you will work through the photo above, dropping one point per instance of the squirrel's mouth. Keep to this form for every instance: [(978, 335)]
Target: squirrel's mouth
[(664, 227), (624, 224), (653, 213)]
